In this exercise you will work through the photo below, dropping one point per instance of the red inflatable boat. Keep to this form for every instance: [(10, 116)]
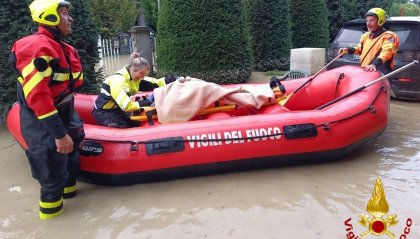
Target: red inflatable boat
[(313, 126)]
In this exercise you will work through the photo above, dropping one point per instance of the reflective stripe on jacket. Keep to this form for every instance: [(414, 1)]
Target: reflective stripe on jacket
[(117, 89), (43, 70), (383, 47), (44, 65)]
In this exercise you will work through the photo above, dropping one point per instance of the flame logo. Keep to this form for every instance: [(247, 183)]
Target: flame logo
[(377, 208)]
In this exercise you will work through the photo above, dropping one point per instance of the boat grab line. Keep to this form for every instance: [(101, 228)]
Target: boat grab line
[(325, 126)]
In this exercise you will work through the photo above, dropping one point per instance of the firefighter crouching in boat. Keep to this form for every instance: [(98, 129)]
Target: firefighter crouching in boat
[(113, 107), (377, 47), (49, 70)]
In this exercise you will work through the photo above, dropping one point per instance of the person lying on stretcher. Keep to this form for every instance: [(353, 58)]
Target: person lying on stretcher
[(113, 107), (188, 97)]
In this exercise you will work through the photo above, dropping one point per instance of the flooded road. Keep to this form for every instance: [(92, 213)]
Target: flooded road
[(303, 201), (113, 63)]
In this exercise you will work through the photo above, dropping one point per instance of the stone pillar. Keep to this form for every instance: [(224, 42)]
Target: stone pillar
[(308, 60), (141, 41)]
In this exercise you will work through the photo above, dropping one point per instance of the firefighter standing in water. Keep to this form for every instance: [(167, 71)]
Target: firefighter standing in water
[(378, 46), (48, 72)]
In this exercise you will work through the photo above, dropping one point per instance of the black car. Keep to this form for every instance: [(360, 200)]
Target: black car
[(404, 85)]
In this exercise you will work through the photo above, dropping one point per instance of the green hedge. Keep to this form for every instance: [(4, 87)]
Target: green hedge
[(270, 29), (309, 23), (150, 10), (85, 39), (206, 39), (15, 22)]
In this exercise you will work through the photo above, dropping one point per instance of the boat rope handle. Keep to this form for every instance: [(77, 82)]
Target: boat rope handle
[(414, 62), (289, 96), (325, 126), (319, 72)]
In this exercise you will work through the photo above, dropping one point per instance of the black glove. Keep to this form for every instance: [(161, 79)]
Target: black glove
[(170, 79), (275, 82), (144, 102), (151, 98)]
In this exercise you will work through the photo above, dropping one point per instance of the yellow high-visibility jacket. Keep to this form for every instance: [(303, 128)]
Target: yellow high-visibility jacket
[(117, 89)]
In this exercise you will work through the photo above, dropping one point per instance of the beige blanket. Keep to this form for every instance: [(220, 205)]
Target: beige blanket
[(181, 100)]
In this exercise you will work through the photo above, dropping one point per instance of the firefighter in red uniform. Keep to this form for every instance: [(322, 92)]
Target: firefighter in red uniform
[(49, 70), (378, 46)]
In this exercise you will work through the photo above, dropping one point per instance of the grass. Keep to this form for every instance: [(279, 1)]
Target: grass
[(275, 73)]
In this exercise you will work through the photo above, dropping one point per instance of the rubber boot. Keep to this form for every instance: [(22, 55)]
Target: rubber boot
[(50, 208), (70, 189)]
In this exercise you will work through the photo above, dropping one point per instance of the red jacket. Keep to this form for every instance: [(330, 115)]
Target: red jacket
[(42, 63)]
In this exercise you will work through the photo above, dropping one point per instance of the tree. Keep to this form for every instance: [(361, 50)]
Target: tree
[(270, 30), (15, 22), (150, 10), (112, 16), (341, 11), (310, 23), (85, 39), (204, 39), (404, 9)]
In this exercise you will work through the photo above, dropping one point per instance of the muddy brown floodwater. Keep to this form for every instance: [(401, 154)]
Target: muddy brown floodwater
[(303, 201)]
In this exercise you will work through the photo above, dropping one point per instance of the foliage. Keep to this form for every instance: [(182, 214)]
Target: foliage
[(310, 23), (15, 22), (341, 11), (85, 39), (270, 32), (112, 16), (275, 73), (205, 39), (404, 9), (150, 10)]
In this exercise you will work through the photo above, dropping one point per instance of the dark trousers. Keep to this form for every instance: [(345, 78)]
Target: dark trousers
[(115, 118), (53, 170)]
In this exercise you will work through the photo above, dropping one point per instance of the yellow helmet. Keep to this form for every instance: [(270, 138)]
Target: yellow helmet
[(45, 11), (379, 13)]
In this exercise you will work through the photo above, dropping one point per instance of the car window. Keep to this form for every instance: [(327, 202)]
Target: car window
[(350, 34), (406, 33)]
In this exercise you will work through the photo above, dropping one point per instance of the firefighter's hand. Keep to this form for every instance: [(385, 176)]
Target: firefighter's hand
[(64, 145), (151, 98), (170, 79), (184, 79), (370, 67), (147, 101), (343, 50)]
